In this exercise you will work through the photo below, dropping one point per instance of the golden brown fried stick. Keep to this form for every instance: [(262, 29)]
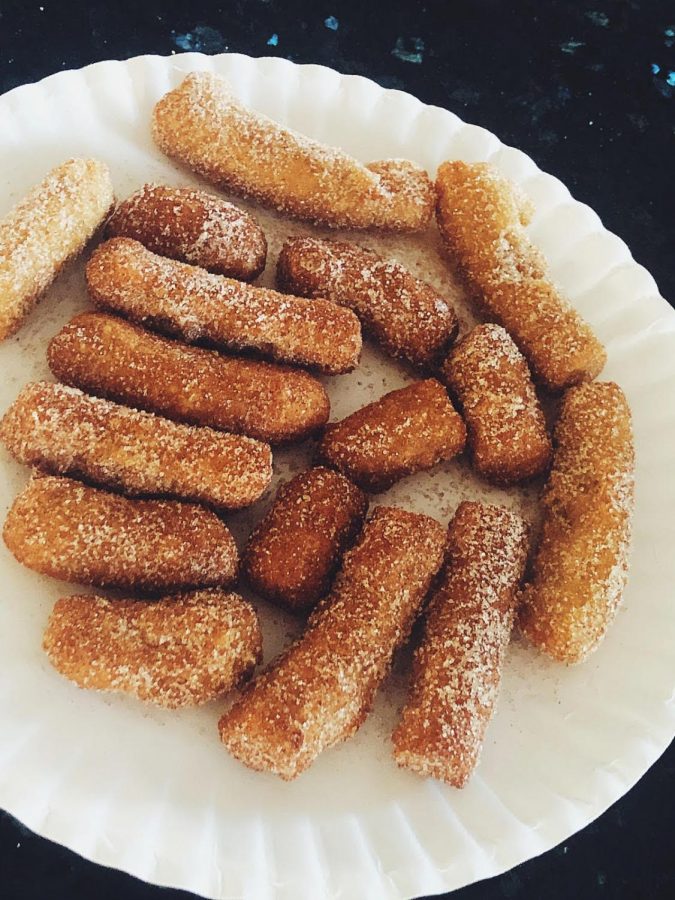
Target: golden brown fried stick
[(457, 666), (293, 553), (581, 564), (403, 432), (180, 650), (194, 227), (405, 315), (107, 356), (70, 531), (45, 230), (505, 423), (321, 689), (188, 302), (200, 124), (65, 432), (481, 216)]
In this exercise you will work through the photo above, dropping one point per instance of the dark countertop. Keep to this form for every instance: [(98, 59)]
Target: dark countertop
[(585, 88)]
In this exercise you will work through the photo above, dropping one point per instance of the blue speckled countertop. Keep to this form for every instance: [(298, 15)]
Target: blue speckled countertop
[(585, 88)]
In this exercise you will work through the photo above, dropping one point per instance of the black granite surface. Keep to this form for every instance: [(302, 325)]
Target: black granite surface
[(588, 90)]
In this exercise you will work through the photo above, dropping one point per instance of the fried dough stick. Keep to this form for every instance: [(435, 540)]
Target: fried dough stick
[(188, 302), (403, 432), (293, 552), (506, 428), (67, 530), (320, 690), (180, 650), (65, 432), (404, 314), (194, 227), (457, 666), (581, 564), (201, 125), (45, 230), (481, 216), (111, 358)]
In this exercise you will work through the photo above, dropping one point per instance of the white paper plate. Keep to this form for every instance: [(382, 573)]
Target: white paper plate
[(155, 793)]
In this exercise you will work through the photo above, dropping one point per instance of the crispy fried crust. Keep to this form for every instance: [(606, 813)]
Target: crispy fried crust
[(320, 690), (481, 217), (403, 432), (65, 529), (111, 358), (180, 650), (580, 567), (200, 124), (65, 432), (45, 230), (405, 315), (490, 380), (194, 227), (457, 666), (293, 553), (188, 302)]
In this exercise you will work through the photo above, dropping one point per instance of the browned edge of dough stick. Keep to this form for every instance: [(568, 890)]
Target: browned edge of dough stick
[(404, 314), (458, 663), (403, 432), (200, 124), (188, 302), (68, 530), (293, 552), (321, 689), (488, 377), (481, 217), (47, 229), (109, 357), (65, 432), (192, 226), (180, 650), (581, 564)]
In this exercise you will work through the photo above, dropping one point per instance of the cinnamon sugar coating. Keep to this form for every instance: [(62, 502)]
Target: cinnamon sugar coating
[(180, 650), (45, 230), (292, 554), (112, 358), (65, 432), (506, 429), (403, 432), (321, 689), (188, 302), (481, 217), (194, 227), (457, 665), (67, 530), (201, 125), (581, 564), (404, 314)]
